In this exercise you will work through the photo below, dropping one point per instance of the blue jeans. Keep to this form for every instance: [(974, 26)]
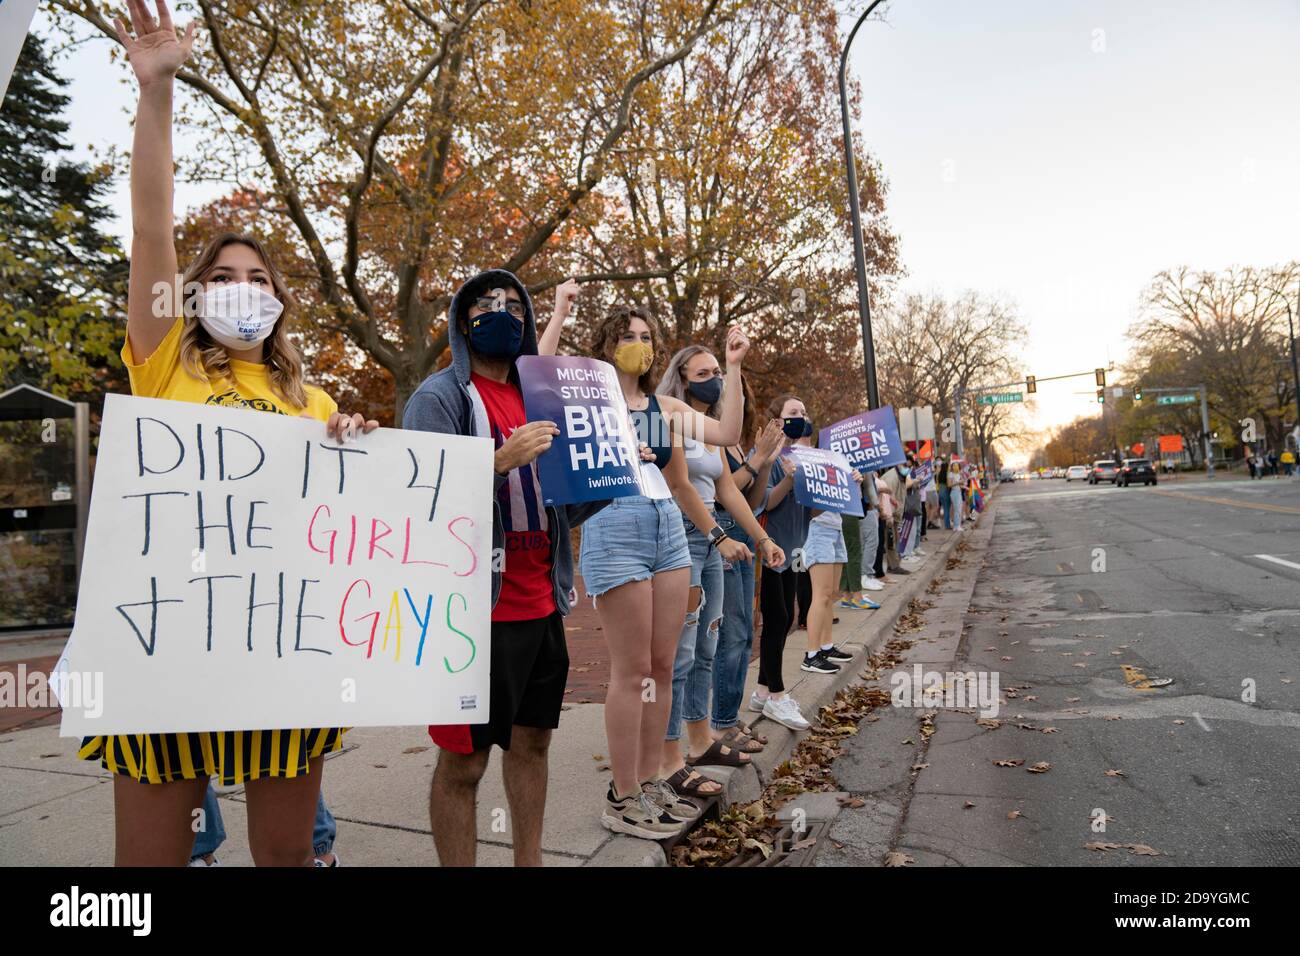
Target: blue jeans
[(735, 633), (214, 832), (693, 667), (869, 528)]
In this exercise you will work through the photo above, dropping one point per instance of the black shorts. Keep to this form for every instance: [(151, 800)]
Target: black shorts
[(530, 667)]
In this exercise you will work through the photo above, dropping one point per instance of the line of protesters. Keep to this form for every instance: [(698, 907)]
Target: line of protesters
[(672, 577)]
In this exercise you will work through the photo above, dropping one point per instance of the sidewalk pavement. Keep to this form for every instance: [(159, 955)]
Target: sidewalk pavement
[(56, 810)]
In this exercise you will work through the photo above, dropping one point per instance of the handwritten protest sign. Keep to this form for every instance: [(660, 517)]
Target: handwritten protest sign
[(869, 440), (596, 455), (823, 479), (242, 571)]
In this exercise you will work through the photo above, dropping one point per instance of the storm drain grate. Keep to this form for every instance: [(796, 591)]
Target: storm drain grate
[(784, 853)]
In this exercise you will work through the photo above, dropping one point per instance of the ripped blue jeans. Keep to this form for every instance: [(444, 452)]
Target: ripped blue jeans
[(693, 666)]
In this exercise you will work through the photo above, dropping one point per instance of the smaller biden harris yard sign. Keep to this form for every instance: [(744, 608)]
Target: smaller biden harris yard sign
[(824, 479)]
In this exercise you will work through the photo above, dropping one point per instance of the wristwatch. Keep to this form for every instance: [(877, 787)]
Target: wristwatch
[(716, 535)]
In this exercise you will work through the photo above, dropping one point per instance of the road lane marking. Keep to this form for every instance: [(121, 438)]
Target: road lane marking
[(1269, 557), (1259, 506)]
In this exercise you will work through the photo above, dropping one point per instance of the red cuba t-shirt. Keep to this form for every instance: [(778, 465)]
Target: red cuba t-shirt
[(526, 591)]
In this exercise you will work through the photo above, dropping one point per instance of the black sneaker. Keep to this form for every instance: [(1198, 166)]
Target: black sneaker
[(836, 656), (817, 664)]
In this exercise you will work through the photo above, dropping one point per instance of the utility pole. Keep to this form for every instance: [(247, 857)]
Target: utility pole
[(855, 215), (956, 418), (1205, 434)]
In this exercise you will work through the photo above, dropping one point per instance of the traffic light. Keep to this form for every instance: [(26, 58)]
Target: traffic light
[(1101, 378), (1137, 393), (1031, 384), (1101, 393)]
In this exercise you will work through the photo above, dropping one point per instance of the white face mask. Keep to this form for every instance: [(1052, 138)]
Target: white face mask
[(239, 315)]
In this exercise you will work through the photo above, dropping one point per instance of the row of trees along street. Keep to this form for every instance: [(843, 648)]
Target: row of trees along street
[(1226, 330)]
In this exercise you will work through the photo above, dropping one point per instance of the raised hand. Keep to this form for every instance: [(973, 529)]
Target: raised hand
[(565, 295), (737, 345), (769, 441), (156, 53)]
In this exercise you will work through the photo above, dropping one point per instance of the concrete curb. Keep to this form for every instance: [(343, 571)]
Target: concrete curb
[(744, 785), (870, 635)]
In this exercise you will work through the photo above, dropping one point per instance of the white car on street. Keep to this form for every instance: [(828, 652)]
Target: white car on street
[(1077, 471)]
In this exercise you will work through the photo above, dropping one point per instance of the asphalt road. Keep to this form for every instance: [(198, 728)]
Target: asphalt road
[(1082, 593)]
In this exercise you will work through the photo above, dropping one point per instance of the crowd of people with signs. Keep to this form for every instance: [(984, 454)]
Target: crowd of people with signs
[(690, 499)]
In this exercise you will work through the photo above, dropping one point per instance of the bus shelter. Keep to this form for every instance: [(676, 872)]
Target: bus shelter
[(44, 500)]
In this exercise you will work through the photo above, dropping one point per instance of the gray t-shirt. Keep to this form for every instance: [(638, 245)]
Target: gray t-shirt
[(787, 523)]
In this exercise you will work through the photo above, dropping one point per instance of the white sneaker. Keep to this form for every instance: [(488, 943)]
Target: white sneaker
[(785, 712), (872, 584), (756, 703), (199, 861), (910, 561), (920, 554)]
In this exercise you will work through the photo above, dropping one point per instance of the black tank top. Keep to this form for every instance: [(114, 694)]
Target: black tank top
[(652, 428)]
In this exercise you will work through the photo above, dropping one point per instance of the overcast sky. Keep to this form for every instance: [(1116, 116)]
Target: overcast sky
[(1062, 153), (1056, 153)]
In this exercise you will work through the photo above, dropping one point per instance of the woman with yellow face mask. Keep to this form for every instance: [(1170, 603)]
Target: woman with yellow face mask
[(636, 566)]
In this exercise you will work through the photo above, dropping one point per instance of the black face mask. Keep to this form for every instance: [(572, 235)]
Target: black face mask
[(497, 335), (708, 391), (796, 428)]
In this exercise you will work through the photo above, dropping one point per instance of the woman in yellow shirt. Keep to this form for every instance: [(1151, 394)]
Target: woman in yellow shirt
[(216, 335)]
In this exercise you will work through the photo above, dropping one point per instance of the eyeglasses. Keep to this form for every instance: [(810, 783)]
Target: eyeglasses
[(486, 303)]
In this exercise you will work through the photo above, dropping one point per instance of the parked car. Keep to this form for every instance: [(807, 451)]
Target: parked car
[(1077, 471), (1133, 470), (1006, 475), (1103, 469)]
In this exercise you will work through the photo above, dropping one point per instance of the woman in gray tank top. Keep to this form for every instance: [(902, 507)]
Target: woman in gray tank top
[(694, 377)]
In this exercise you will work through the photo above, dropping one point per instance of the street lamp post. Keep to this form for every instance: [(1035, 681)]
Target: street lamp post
[(859, 252), (1295, 370)]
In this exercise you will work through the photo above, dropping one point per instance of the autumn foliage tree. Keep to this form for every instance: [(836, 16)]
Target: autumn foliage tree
[(1228, 331), (928, 346), (728, 200), (403, 146)]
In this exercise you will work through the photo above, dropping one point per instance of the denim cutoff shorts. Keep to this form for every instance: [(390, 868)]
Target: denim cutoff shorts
[(631, 539), (825, 545)]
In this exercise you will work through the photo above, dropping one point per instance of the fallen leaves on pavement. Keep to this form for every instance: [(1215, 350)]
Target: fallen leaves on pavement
[(1137, 849), (742, 830)]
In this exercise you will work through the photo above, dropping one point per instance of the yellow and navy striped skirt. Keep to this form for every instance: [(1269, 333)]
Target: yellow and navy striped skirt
[(232, 756)]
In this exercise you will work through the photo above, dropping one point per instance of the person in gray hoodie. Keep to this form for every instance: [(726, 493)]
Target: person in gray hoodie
[(490, 324)]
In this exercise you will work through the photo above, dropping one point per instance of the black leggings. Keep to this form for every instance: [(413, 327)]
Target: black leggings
[(776, 602), (879, 566), (803, 595)]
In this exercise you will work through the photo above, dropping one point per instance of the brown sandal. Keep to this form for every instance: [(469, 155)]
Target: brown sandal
[(748, 731), (737, 739), (678, 782), (714, 757)]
